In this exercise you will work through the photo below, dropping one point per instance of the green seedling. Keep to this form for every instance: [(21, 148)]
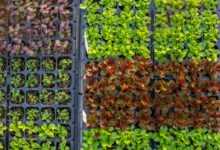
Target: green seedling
[(64, 79), (47, 115), (32, 114), (17, 80), (48, 80), (17, 97), (17, 65), (16, 115), (62, 97), (47, 97), (32, 80), (65, 64), (32, 97), (32, 64), (48, 64), (63, 115)]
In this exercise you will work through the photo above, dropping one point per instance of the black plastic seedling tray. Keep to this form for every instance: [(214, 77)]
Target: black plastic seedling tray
[(37, 90), (72, 88)]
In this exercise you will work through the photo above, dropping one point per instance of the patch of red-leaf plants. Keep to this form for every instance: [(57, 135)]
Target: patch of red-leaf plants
[(30, 27), (121, 93)]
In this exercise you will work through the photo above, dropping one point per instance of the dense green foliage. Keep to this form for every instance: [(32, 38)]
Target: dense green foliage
[(186, 29), (45, 133), (37, 136), (183, 29), (138, 139), (117, 27)]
